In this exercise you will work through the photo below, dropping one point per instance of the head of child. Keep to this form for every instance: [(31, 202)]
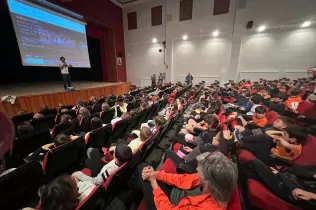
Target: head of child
[(260, 112), (283, 122), (105, 107), (122, 154), (96, 123), (211, 122), (61, 139), (295, 134), (256, 99), (295, 92), (180, 102), (61, 193), (65, 118), (280, 98), (120, 100), (145, 133), (159, 121), (265, 92)]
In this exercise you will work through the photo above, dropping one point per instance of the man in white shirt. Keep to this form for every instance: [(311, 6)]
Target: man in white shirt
[(65, 73)]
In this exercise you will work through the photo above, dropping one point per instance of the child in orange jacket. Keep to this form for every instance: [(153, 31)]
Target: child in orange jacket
[(294, 100)]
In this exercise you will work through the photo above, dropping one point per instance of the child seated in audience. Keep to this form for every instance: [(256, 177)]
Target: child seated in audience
[(144, 134), (258, 119), (294, 100), (256, 99), (65, 118), (153, 125), (59, 140), (277, 104), (105, 107), (64, 192), (289, 146), (38, 116), (286, 144), (122, 154), (120, 107), (266, 97), (186, 154)]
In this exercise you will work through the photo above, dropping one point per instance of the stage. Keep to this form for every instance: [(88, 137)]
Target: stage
[(32, 96)]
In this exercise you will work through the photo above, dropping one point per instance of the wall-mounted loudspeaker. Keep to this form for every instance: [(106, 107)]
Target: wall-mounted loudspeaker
[(249, 25)]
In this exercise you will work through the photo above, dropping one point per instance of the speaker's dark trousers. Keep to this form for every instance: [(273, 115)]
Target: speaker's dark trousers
[(67, 80)]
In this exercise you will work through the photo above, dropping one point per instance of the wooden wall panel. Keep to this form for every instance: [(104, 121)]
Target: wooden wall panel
[(35, 102)]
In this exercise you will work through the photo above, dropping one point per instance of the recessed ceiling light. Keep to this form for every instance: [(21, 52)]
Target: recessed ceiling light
[(261, 28), (215, 33), (185, 37), (155, 40), (306, 24)]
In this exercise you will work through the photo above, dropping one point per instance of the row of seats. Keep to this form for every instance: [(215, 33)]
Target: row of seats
[(70, 157)]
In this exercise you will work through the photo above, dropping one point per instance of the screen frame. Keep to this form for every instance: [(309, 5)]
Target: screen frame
[(39, 6)]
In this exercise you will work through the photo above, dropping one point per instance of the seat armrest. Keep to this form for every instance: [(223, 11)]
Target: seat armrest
[(185, 169)]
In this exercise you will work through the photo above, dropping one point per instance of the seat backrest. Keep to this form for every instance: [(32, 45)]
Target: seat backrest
[(311, 113), (95, 200), (49, 112), (272, 116), (135, 121), (21, 118), (61, 128), (118, 180), (65, 158), (19, 187), (25, 144), (308, 153), (100, 137), (304, 107), (130, 106), (43, 122), (119, 130), (147, 147), (97, 108), (106, 117)]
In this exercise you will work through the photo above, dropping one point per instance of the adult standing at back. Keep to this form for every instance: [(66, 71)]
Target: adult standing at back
[(65, 72), (189, 79)]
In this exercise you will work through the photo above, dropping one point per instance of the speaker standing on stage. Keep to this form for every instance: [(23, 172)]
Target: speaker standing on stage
[(65, 73)]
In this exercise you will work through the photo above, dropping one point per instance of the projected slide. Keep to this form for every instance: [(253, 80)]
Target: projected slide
[(44, 36)]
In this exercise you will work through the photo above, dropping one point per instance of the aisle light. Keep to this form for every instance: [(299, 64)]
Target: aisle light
[(215, 33), (306, 24), (154, 40), (185, 37), (261, 28)]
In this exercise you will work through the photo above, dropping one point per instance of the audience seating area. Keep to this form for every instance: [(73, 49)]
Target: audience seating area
[(250, 193)]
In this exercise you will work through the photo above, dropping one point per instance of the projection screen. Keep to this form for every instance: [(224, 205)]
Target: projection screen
[(44, 35)]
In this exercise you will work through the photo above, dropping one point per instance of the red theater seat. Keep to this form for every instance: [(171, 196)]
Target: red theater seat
[(259, 195)]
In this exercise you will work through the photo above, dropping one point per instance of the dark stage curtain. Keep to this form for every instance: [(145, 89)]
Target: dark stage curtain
[(99, 33)]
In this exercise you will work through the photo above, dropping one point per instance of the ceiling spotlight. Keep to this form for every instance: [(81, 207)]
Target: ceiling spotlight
[(306, 24), (154, 40), (185, 37), (261, 28), (215, 33)]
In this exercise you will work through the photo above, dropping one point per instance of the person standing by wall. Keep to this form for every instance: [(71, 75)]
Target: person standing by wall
[(189, 79), (153, 80)]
